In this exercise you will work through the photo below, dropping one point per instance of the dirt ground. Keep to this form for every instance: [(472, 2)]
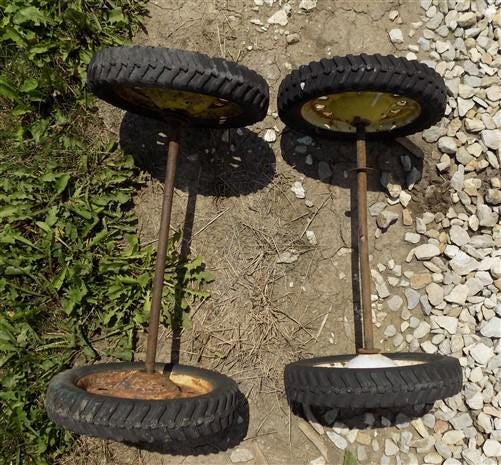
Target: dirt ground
[(233, 200)]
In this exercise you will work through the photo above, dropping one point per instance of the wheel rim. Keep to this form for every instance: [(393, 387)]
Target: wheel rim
[(378, 111), (189, 104), (371, 361), (137, 384)]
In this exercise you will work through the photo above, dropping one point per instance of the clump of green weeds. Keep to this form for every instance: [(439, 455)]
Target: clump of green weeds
[(45, 48), (74, 280), (75, 283)]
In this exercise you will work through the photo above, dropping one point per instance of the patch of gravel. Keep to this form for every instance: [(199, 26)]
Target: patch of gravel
[(452, 277)]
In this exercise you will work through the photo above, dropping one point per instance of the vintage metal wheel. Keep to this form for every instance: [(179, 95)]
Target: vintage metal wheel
[(169, 83), (389, 96), (388, 380), (120, 401)]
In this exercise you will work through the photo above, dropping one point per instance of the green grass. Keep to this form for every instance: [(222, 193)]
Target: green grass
[(74, 281)]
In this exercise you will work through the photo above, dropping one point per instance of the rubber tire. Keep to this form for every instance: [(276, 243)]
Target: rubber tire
[(362, 72), (195, 420), (437, 378), (181, 70)]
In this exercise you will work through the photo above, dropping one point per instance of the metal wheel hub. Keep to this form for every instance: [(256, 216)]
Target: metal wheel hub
[(371, 361), (137, 384), (188, 104), (377, 111)]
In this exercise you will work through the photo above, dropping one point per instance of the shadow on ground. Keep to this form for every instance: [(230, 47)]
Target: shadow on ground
[(334, 162), (364, 418), (213, 162), (339, 159)]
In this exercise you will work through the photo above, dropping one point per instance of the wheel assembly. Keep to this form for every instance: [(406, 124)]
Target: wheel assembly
[(362, 97), (122, 402), (384, 95), (153, 403)]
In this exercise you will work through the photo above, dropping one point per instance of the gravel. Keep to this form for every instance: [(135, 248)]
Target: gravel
[(481, 353), (411, 237), (291, 39), (390, 448), (458, 235), (492, 138), (486, 216), (396, 36), (458, 295), (448, 323), (493, 196), (463, 264), (412, 297), (422, 330), (435, 294), (492, 328), (298, 190), (426, 251), (386, 218), (464, 106), (280, 18), (308, 4), (311, 237), (394, 303), (457, 180), (492, 448), (270, 135), (241, 455), (287, 257), (466, 19), (447, 145), (337, 439), (453, 437)]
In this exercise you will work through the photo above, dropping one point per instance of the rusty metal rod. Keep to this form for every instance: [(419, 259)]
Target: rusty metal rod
[(163, 240), (363, 240)]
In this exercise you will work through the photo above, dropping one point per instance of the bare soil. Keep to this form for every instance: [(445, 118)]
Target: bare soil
[(234, 203)]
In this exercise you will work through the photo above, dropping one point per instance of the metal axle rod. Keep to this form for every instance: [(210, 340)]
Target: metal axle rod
[(163, 239), (363, 242)]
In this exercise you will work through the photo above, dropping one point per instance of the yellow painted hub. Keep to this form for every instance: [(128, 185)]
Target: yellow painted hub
[(378, 111), (189, 104)]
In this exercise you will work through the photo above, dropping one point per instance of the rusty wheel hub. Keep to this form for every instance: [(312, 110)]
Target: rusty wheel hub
[(138, 384)]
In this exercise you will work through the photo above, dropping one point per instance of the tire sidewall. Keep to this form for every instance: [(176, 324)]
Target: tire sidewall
[(190, 422)]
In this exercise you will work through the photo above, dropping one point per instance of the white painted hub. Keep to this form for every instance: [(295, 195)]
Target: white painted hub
[(370, 361)]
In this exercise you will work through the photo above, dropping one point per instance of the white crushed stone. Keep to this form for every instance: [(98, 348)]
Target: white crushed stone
[(241, 455), (396, 36), (280, 18), (270, 135), (298, 190)]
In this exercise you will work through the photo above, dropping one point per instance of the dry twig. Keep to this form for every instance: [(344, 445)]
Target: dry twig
[(311, 434)]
